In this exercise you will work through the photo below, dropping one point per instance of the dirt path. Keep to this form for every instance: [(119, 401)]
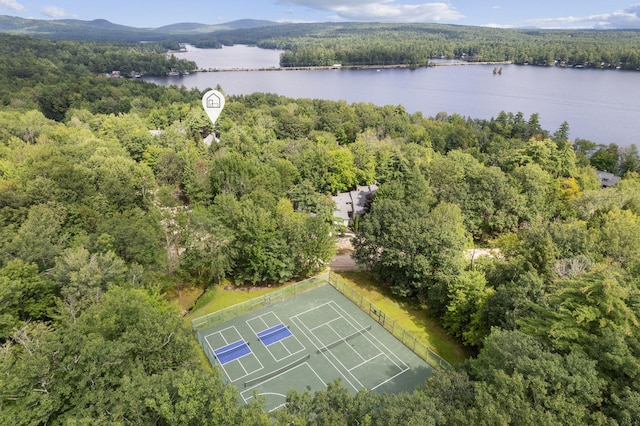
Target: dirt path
[(343, 261)]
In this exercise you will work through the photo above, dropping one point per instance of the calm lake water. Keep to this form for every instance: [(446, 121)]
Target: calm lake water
[(600, 105)]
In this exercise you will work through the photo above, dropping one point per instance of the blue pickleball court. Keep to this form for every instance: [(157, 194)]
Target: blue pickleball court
[(273, 334), (232, 351)]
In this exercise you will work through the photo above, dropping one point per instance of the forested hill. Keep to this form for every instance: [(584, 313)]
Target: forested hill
[(100, 219), (103, 30)]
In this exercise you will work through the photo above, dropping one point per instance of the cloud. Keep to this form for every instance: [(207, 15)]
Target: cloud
[(54, 12), (11, 4), (329, 4), (498, 25), (627, 18), (382, 10)]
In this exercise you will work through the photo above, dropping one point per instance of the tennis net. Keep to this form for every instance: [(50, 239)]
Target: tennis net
[(344, 339), (277, 372)]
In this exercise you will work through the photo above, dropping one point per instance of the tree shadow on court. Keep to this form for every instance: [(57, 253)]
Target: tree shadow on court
[(408, 381)]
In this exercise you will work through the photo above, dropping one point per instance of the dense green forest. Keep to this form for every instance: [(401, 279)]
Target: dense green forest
[(99, 218)]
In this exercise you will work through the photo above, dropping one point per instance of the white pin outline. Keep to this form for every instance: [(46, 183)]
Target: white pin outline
[(213, 103)]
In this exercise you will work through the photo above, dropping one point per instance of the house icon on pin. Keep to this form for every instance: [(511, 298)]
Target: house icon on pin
[(213, 101)]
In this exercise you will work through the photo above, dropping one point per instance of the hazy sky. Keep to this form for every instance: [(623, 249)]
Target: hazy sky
[(502, 13)]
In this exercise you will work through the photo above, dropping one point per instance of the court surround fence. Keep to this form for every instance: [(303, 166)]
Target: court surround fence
[(392, 326), (275, 296)]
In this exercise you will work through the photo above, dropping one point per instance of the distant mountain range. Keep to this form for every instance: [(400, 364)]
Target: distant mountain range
[(103, 30)]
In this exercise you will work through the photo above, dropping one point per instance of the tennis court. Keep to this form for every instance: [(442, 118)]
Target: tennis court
[(306, 341)]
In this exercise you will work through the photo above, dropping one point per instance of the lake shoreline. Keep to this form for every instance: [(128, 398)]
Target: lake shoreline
[(351, 67), (190, 52)]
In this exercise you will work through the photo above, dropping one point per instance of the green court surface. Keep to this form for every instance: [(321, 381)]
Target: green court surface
[(329, 338)]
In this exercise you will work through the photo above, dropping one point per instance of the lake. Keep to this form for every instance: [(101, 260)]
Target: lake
[(600, 105)]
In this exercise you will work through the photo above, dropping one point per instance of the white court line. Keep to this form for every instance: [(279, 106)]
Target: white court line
[(239, 359), (278, 394), (260, 317), (278, 407), (378, 344), (243, 367), (323, 353), (312, 309), (225, 329), (239, 363), (286, 348), (267, 347), (341, 313), (250, 390), (365, 361), (266, 324), (213, 351), (326, 323), (283, 346), (390, 378), (344, 341), (384, 381), (339, 361), (381, 353)]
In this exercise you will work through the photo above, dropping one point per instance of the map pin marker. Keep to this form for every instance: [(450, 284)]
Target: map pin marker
[(213, 103)]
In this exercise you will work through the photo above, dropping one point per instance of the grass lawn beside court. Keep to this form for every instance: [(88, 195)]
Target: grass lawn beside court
[(412, 318), (218, 297)]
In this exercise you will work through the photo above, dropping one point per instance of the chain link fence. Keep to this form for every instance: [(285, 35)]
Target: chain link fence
[(239, 309), (392, 326)]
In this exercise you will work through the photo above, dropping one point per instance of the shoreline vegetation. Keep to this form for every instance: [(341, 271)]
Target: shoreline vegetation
[(373, 67), (381, 67), (434, 62), (351, 67)]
